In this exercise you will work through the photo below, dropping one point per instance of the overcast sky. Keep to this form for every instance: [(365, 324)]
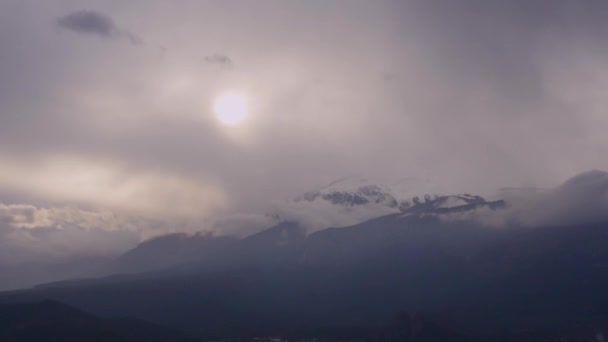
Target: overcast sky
[(107, 105)]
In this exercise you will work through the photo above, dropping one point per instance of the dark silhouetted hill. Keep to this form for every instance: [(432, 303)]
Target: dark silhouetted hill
[(345, 283), (170, 250), (53, 321)]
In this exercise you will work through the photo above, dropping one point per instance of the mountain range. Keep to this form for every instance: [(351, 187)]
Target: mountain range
[(470, 281)]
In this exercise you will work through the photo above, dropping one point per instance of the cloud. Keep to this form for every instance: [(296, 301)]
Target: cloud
[(94, 23), (107, 184), (478, 103), (320, 214), (241, 224), (579, 200), (219, 59), (56, 234)]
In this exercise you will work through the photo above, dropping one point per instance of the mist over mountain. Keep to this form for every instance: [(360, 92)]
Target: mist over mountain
[(318, 170), (169, 250), (347, 202), (439, 254)]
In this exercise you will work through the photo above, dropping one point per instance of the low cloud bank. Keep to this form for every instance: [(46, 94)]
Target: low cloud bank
[(57, 234), (581, 199), (54, 235), (319, 214)]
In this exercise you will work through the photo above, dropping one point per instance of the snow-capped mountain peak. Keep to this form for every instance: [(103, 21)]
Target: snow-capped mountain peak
[(353, 192), (350, 201), (448, 204)]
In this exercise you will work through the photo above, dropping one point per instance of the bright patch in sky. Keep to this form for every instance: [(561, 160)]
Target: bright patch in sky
[(230, 108)]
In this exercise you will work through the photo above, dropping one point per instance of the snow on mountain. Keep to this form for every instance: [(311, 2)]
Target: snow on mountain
[(353, 192), (350, 201), (452, 201), (342, 203), (403, 194), (448, 204)]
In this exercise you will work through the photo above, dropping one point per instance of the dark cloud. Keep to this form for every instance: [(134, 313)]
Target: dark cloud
[(89, 22), (219, 59), (94, 23)]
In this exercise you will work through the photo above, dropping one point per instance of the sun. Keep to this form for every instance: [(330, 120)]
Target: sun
[(230, 108)]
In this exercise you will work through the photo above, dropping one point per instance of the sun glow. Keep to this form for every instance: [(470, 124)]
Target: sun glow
[(230, 108)]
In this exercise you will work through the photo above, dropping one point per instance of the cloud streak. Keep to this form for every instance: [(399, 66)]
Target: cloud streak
[(219, 60), (107, 184), (94, 23)]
